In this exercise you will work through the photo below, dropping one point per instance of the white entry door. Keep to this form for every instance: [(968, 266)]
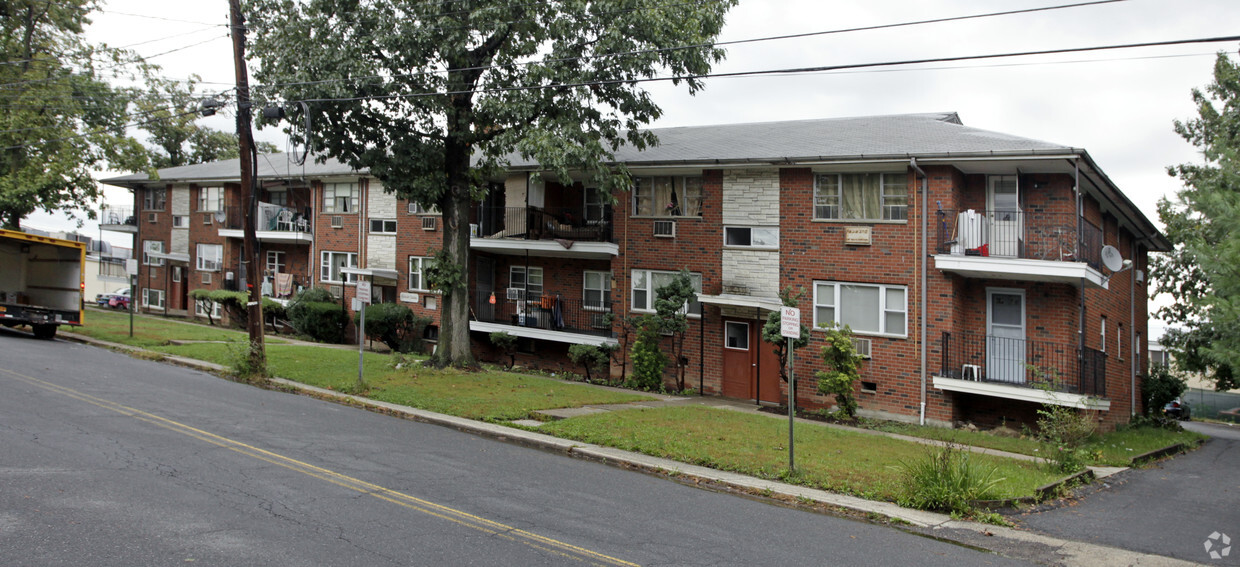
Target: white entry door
[(1005, 217), (1005, 335)]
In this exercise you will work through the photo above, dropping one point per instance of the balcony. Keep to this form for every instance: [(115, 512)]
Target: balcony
[(562, 232), (1022, 369), (118, 219), (553, 318), (1019, 245), (113, 269), (275, 224)]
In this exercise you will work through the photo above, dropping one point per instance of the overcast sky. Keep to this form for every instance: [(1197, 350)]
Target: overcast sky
[(1119, 105)]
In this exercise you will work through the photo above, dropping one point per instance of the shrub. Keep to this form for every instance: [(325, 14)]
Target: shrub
[(947, 480), (323, 322), (233, 303), (1159, 387), (202, 298), (507, 343), (842, 371), (314, 295), (273, 312), (394, 325), (648, 360), (1063, 431), (593, 358), (240, 362)]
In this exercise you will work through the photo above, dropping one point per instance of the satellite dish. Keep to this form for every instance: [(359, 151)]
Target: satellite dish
[(1111, 258), (221, 216)]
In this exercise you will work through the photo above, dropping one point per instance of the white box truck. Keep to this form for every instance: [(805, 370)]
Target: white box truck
[(41, 282)]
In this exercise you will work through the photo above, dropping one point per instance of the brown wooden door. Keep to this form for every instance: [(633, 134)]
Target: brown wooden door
[(738, 359), (767, 372)]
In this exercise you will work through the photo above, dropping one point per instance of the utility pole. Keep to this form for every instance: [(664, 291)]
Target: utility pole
[(249, 259)]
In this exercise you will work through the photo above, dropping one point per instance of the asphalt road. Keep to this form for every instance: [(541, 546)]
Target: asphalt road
[(1170, 508), (110, 460)]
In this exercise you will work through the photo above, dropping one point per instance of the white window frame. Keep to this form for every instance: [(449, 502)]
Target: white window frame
[(1102, 330), (146, 298), (420, 262), (152, 203), (386, 226), (643, 190), (745, 233), (833, 202), (209, 257), (693, 309), (215, 309), (152, 246), (326, 263), (604, 291), (413, 208), (594, 205), (822, 288), (275, 261), (331, 196), (1119, 340), (180, 221), (210, 199), (729, 324), (535, 273)]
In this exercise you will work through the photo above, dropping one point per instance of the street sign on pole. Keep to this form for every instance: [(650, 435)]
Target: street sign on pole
[(363, 292), (790, 328), (790, 322)]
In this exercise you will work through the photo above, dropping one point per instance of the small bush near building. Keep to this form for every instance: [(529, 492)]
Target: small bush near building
[(508, 343), (648, 360), (595, 359), (842, 372), (315, 313), (947, 480), (232, 303), (202, 299), (394, 325), (1063, 432), (1158, 388)]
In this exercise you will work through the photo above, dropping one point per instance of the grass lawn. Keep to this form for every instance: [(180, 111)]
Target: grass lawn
[(840, 461), (1108, 449), (149, 331), (489, 395)]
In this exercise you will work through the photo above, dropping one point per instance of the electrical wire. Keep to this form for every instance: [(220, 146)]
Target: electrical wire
[(98, 131)]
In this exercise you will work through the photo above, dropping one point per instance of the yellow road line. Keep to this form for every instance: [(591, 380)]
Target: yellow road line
[(459, 517)]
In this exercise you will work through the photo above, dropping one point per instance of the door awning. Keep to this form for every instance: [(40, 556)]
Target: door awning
[(384, 273), (169, 256), (732, 300)]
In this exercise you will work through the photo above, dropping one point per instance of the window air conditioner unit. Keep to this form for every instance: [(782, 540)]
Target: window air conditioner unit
[(337, 221), (516, 294), (206, 218), (336, 290), (206, 278), (428, 223), (152, 217), (862, 346), (665, 228)]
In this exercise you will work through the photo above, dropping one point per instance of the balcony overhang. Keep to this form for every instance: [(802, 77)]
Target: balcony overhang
[(999, 268), (279, 236), (127, 228), (733, 300), (546, 248), (372, 273), (170, 256), (543, 334), (1024, 394)]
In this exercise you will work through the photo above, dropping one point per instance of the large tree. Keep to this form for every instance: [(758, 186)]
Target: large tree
[(169, 117), (58, 117), (1202, 274), (433, 96)]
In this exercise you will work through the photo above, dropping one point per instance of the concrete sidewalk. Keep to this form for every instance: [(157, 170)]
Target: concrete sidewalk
[(1006, 541)]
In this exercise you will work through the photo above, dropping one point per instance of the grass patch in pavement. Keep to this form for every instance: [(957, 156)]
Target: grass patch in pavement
[(827, 458), (1108, 449), (150, 331), (486, 395)]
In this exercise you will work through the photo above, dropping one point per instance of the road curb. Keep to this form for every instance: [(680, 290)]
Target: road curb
[(936, 525)]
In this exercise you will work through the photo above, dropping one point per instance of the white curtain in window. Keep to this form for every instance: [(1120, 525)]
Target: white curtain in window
[(665, 201), (861, 196), (692, 206), (860, 308)]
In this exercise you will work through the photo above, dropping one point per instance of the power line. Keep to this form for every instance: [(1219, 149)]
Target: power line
[(701, 45), (136, 59), (99, 131), (148, 16)]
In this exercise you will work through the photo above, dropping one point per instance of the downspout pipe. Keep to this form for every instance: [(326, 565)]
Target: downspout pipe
[(1080, 232), (925, 258)]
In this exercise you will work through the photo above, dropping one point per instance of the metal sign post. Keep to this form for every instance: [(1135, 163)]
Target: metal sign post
[(790, 329), (363, 298), (131, 268)]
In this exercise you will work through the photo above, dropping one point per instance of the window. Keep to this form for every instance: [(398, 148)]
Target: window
[(176, 273), (533, 287), (1136, 352), (596, 205), (155, 199), (332, 262), (149, 246), (383, 226), (180, 221), (647, 282), (866, 308), (416, 209), (153, 298), (752, 237), (210, 257), (667, 196), (417, 281), (278, 198), (1119, 341), (861, 196), (199, 311), (597, 291), (736, 335), (1102, 338), (340, 197), (210, 199), (275, 262)]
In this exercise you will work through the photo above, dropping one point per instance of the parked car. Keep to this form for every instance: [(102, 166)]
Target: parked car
[(1178, 409), (118, 299)]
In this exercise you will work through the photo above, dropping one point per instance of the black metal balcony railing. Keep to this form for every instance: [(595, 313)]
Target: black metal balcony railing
[(534, 223), (271, 218), (554, 313), (117, 216), (1030, 235), (1059, 367)]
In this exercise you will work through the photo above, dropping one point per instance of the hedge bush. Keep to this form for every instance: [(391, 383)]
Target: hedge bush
[(314, 312), (232, 303), (394, 325)]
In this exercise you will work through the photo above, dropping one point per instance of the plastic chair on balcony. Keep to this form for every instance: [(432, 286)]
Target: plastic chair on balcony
[(284, 221)]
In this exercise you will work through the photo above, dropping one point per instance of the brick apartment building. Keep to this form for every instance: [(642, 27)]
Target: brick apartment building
[(982, 273)]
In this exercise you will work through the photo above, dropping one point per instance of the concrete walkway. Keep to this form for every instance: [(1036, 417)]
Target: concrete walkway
[(1010, 542)]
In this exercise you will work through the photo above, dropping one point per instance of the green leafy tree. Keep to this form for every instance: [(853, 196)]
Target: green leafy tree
[(843, 369), (508, 343), (61, 118), (1202, 273), (168, 108), (772, 330), (648, 360), (594, 358), (433, 98), (670, 304)]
